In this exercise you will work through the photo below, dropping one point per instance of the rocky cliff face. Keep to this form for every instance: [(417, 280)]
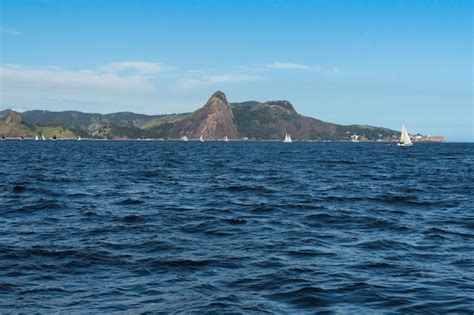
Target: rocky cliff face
[(13, 118), (13, 126), (213, 121)]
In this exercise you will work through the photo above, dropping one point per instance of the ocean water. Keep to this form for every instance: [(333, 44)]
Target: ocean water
[(237, 227)]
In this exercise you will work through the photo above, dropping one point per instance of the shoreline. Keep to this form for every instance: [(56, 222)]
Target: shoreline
[(213, 140)]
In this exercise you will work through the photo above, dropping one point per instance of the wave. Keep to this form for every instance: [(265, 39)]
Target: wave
[(128, 201), (255, 227)]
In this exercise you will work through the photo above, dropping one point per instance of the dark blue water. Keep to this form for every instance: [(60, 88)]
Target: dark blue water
[(238, 227)]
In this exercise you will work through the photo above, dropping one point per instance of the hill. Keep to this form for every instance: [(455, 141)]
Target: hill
[(215, 120)]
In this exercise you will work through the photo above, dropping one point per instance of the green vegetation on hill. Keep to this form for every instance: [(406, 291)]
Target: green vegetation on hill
[(254, 120), (59, 132), (256, 124)]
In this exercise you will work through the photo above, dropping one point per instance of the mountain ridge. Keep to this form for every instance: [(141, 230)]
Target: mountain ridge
[(216, 119)]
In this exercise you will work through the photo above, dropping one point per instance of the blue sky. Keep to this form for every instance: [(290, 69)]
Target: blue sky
[(382, 63)]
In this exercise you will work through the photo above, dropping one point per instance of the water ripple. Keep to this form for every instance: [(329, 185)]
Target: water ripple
[(237, 227)]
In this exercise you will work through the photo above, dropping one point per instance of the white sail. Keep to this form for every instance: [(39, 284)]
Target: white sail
[(287, 139), (184, 138), (42, 137), (201, 139), (36, 137), (79, 139), (226, 139), (405, 137)]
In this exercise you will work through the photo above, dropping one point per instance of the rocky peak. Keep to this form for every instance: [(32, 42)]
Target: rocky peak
[(220, 95), (213, 121), (276, 105), (283, 104), (14, 117), (217, 99)]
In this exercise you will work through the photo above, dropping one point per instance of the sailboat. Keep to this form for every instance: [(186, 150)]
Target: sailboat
[(36, 138), (184, 138), (79, 138), (201, 139), (287, 139), (226, 139), (405, 140), (42, 137)]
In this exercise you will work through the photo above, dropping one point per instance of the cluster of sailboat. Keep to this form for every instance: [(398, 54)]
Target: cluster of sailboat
[(37, 138), (405, 140), (42, 137), (201, 139), (226, 139)]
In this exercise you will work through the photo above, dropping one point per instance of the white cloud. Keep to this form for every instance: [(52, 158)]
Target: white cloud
[(86, 89), (233, 78), (288, 66), (18, 110), (252, 68), (69, 80), (188, 84), (9, 31), (141, 67), (283, 66)]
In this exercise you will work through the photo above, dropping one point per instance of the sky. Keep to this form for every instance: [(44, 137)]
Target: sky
[(382, 63)]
